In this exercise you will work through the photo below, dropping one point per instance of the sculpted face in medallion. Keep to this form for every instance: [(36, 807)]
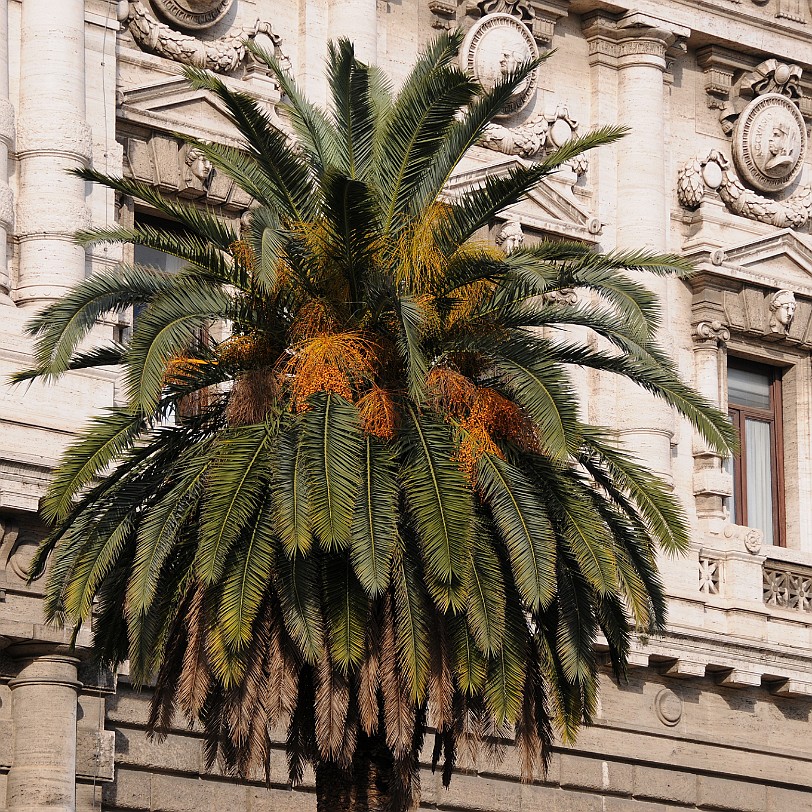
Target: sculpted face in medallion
[(494, 47), (770, 142), (194, 14)]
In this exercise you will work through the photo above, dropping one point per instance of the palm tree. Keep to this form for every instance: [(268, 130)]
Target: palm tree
[(384, 514)]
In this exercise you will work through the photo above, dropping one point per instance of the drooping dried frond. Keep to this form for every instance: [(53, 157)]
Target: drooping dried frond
[(450, 391), (254, 396)]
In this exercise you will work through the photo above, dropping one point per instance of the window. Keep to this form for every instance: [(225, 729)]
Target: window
[(754, 402)]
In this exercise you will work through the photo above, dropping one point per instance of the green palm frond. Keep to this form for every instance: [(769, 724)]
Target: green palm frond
[(332, 441)]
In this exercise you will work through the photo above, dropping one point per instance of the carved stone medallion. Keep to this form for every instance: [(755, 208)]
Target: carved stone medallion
[(194, 14), (769, 143), (493, 47)]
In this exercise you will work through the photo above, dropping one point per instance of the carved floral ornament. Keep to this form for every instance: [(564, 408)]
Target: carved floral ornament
[(194, 14), (220, 55)]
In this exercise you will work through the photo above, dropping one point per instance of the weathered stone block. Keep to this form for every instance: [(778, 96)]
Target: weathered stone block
[(130, 790), (723, 793), (664, 785), (173, 793), (595, 774), (276, 800)]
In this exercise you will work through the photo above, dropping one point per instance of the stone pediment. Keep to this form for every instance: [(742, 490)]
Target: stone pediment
[(782, 259), (741, 287), (172, 106), (550, 208)]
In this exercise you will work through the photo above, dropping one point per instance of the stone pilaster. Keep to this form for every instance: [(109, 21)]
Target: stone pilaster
[(52, 137), (43, 773), (711, 483)]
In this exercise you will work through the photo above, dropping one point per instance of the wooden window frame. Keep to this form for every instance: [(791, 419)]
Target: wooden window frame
[(773, 416)]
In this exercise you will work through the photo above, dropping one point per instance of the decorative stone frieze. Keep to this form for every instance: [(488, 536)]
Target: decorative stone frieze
[(536, 138), (176, 168), (220, 55), (749, 536), (540, 16)]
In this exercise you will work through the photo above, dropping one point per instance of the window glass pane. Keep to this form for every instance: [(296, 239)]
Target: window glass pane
[(156, 259), (748, 388), (759, 478)]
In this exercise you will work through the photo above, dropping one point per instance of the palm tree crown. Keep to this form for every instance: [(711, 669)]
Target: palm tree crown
[(384, 512)]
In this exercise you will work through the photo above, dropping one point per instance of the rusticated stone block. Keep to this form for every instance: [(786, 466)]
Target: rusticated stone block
[(280, 800), (595, 774), (737, 796), (664, 785), (172, 793), (130, 790), (781, 800)]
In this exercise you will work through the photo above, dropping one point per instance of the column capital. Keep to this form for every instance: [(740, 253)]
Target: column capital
[(711, 333), (620, 40)]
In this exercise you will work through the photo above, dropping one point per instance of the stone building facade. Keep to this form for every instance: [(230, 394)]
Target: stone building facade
[(717, 96)]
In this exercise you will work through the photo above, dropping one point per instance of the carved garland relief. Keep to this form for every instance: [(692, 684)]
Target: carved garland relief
[(769, 148)]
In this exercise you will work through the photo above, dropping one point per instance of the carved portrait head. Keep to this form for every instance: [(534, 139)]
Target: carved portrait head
[(199, 167), (782, 311), (493, 48), (510, 236), (770, 142)]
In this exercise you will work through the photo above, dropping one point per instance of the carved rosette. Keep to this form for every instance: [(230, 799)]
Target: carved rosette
[(495, 46)]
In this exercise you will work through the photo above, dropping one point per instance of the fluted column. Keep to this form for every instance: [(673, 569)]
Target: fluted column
[(635, 46), (6, 142), (52, 136), (42, 777), (357, 20)]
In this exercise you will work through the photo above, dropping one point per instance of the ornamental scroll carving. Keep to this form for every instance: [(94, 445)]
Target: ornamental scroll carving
[(536, 138), (220, 55), (715, 172)]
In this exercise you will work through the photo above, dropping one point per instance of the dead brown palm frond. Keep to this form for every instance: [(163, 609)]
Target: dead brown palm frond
[(379, 414), (398, 708), (282, 667), (195, 676), (253, 397), (164, 696), (528, 741), (441, 682), (332, 705), (340, 363), (369, 677)]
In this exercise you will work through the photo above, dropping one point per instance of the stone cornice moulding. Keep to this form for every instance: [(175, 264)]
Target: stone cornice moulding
[(540, 16)]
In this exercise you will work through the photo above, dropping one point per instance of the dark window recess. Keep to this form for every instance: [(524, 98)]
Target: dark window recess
[(754, 403)]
